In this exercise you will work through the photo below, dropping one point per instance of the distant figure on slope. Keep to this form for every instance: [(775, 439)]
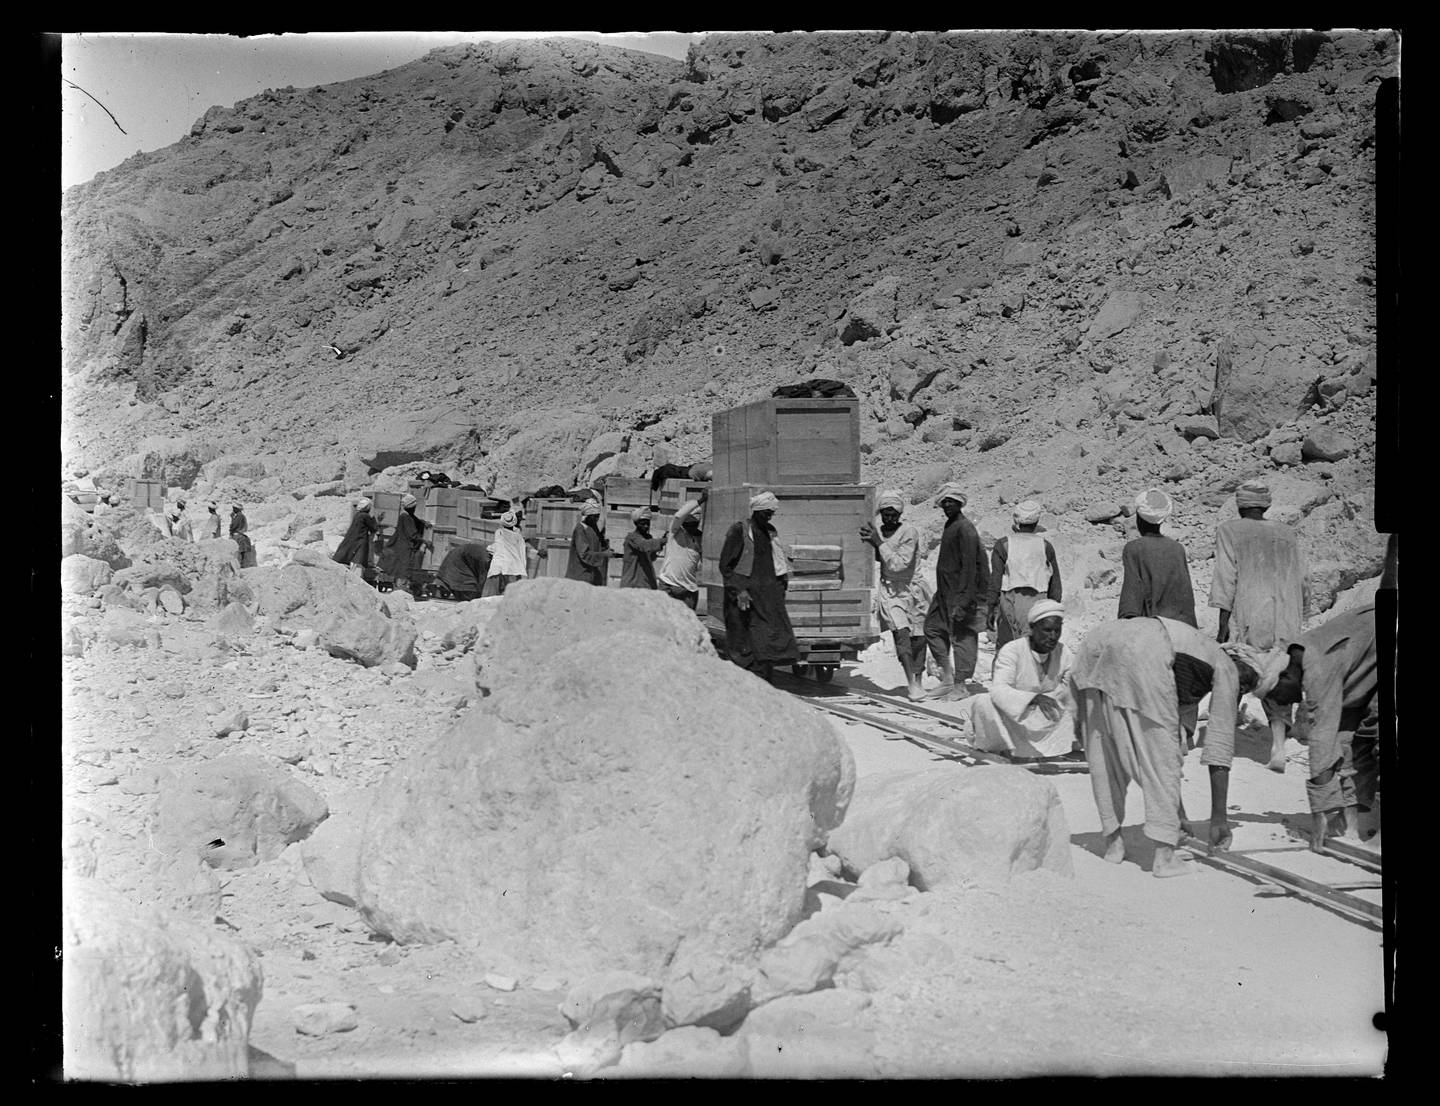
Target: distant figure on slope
[(680, 570), (900, 598), (402, 549), (1029, 711), (358, 543), (1333, 668), (239, 535), (755, 569), (210, 528), (1157, 575), (589, 554), (638, 569), (465, 569), (1022, 569), (957, 613), (1135, 681), (179, 524), (507, 555), (1259, 586)]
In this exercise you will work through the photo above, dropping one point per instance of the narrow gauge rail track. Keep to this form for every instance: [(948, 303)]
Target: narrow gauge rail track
[(943, 734)]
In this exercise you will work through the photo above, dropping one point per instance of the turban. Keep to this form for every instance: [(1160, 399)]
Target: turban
[(1044, 608), (362, 504), (1268, 665), (235, 506), (589, 509), (407, 500), (952, 491), (212, 506), (509, 518), (641, 512), (1153, 505), (765, 501), (1252, 494), (1027, 513), (891, 498), (180, 504)]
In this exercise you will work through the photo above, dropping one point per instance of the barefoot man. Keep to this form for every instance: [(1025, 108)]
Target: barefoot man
[(958, 611), (1259, 589), (1133, 681), (1333, 667), (899, 597)]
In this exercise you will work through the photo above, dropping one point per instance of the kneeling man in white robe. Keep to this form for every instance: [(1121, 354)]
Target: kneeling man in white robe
[(1028, 711)]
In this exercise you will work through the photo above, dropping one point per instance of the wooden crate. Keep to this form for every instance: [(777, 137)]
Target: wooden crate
[(814, 515), (627, 493), (148, 493), (787, 441), (816, 616), (438, 515), (478, 529), (550, 518), (385, 506), (556, 559), (442, 542), (674, 494)]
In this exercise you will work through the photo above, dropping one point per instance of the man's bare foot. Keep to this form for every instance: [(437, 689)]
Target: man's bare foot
[(1165, 863), (1277, 764), (1115, 849), (956, 693)]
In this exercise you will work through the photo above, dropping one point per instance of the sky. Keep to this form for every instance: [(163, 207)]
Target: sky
[(157, 85)]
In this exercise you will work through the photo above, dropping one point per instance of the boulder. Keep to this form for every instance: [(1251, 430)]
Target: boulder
[(82, 575), (1260, 384), (154, 574), (950, 823), (557, 825), (331, 855), (471, 625), (810, 954), (1102, 512), (534, 615), (824, 1035), (701, 987), (252, 807), (872, 313), (351, 619), (1324, 444), (148, 997), (318, 1019), (1119, 310), (1287, 454), (1194, 174), (618, 1006), (123, 626), (929, 479), (233, 621), (689, 1052)]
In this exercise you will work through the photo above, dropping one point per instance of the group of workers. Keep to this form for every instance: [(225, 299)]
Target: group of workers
[(175, 523), (1128, 697)]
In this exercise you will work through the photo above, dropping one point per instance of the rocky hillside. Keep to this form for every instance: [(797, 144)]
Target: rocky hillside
[(1060, 265)]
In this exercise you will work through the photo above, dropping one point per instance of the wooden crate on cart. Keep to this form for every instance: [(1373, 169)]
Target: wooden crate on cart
[(787, 441)]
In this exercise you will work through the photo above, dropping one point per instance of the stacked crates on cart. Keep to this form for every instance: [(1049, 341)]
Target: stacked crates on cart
[(807, 453)]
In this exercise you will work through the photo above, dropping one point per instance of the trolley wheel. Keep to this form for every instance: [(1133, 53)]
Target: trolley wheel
[(825, 672), (800, 670)]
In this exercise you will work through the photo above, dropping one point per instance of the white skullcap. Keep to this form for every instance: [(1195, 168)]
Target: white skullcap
[(892, 498), (1044, 608), (765, 501), (362, 504), (589, 508), (1153, 505), (641, 512), (407, 500), (1252, 493), (509, 518), (952, 491), (1026, 513)]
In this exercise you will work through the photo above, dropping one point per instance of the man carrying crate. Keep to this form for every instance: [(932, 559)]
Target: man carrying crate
[(680, 572)]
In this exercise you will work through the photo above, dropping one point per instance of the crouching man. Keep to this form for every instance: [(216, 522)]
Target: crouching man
[(1029, 712)]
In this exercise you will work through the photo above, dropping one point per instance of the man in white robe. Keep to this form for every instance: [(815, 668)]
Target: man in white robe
[(1028, 711)]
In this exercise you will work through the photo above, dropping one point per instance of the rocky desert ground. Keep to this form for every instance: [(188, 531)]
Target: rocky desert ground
[(313, 831)]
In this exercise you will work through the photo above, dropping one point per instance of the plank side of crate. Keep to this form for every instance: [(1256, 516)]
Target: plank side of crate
[(814, 615), (556, 561), (675, 493), (787, 441)]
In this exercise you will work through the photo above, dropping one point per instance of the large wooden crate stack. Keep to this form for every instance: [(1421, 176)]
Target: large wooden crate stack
[(807, 453)]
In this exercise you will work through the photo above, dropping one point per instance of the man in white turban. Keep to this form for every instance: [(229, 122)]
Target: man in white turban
[(1156, 581), (1029, 712), (900, 598), (958, 611), (507, 555), (357, 546), (1022, 569), (756, 572), (640, 548), (1260, 588), (589, 552)]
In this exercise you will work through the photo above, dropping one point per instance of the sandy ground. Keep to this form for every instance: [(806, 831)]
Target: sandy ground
[(1112, 971)]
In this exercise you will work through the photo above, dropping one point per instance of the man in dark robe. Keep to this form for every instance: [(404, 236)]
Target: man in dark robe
[(402, 550), (464, 569), (1156, 580), (358, 542), (238, 527), (755, 570), (589, 553), (958, 611), (638, 570)]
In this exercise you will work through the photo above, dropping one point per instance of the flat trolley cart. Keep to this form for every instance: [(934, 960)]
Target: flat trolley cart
[(819, 656)]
